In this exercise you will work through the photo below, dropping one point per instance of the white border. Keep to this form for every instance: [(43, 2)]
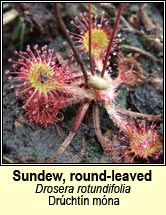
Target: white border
[(78, 164)]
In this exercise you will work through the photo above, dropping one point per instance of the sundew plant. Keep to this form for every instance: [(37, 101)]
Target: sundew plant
[(47, 84)]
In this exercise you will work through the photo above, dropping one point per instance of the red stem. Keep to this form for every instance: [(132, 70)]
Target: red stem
[(80, 116), (96, 122), (63, 28), (112, 38), (90, 39)]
